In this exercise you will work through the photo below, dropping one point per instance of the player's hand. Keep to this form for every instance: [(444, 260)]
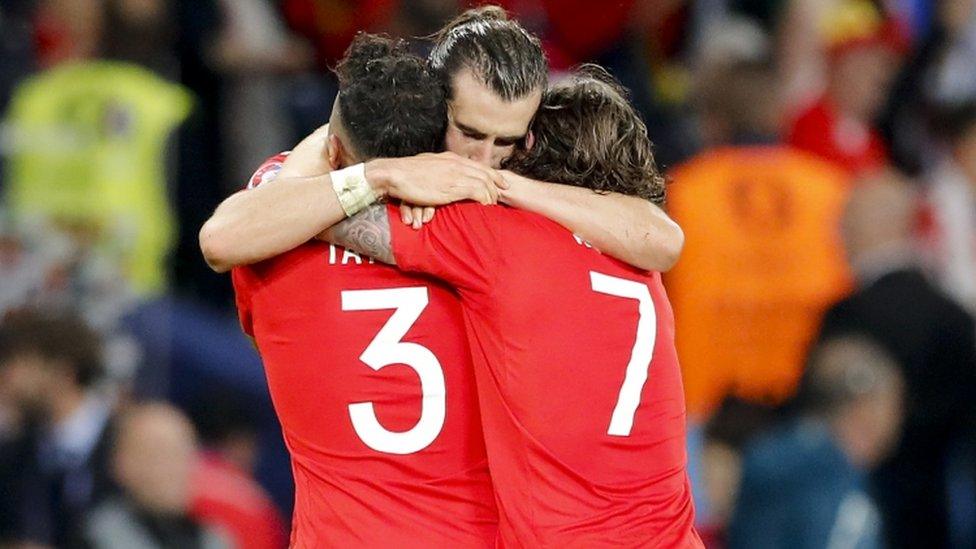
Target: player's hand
[(416, 216), (435, 179), (310, 157)]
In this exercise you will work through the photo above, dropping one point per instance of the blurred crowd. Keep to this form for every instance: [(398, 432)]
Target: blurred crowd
[(822, 163)]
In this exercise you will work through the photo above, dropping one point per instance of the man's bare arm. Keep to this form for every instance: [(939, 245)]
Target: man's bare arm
[(260, 223), (367, 233), (256, 224), (628, 228)]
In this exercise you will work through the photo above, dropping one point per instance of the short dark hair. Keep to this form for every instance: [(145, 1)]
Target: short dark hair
[(55, 336), (954, 122), (390, 103), (220, 413), (498, 50), (588, 134), (738, 421)]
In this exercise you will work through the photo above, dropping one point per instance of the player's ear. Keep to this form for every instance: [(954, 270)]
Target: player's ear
[(334, 150), (529, 140)]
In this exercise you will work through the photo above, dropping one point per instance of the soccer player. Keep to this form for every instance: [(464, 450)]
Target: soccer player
[(368, 367), (578, 378), (494, 73)]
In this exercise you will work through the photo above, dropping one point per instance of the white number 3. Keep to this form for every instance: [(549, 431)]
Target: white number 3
[(622, 420), (386, 349)]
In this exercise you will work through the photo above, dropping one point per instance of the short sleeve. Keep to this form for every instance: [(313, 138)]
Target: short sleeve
[(460, 246), (268, 170), (242, 296)]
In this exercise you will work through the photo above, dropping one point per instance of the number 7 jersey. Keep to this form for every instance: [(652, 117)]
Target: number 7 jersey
[(578, 379), (370, 374)]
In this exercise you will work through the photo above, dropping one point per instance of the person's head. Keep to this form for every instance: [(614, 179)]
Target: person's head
[(880, 216), (389, 104), (854, 385), (45, 357), (227, 425), (730, 429), (77, 27), (728, 103), (494, 73), (587, 134), (957, 126), (863, 49), (153, 457)]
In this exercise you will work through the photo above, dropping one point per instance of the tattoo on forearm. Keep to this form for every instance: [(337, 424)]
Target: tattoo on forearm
[(367, 233)]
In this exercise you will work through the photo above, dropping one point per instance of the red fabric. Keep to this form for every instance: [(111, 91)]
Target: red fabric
[(550, 356), (227, 497), (301, 309), (891, 34), (584, 28), (820, 131), (332, 24)]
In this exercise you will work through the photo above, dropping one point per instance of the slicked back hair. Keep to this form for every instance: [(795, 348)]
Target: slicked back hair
[(499, 52), (587, 134), (390, 103)]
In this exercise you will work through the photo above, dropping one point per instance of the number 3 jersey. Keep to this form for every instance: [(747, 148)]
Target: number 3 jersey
[(578, 379), (370, 374)]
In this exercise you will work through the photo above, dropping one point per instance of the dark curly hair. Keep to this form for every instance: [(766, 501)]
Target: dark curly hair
[(390, 103), (505, 56), (54, 336), (587, 134)]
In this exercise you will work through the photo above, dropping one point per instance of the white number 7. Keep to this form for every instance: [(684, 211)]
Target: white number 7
[(622, 420), (386, 349)]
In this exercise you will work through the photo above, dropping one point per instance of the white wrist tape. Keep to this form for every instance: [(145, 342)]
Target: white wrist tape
[(353, 190)]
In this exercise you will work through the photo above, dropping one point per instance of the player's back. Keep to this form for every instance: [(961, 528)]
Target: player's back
[(370, 375), (578, 377)]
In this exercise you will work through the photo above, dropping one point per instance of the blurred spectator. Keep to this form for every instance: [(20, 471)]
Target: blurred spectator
[(727, 433), (762, 257), (141, 32), (331, 24), (224, 491), (929, 83), (152, 461), (49, 367), (88, 156), (254, 49), (934, 342), (16, 46), (952, 79), (803, 486), (949, 218), (863, 55)]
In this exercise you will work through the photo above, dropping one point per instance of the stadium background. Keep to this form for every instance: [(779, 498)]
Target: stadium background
[(125, 122)]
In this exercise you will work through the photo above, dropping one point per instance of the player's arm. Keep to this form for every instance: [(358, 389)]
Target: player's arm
[(268, 219), (628, 228), (368, 233), (460, 245), (271, 219)]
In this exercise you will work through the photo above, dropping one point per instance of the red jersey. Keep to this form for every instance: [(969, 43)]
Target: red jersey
[(578, 379), (370, 375)]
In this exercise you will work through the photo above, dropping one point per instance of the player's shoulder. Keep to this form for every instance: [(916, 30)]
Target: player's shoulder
[(259, 274), (268, 170)]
